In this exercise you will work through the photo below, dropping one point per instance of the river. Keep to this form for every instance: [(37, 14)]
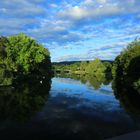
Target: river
[(71, 110)]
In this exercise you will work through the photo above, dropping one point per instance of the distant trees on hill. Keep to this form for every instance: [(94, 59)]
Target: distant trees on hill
[(95, 68)]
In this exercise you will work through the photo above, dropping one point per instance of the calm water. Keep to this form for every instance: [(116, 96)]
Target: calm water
[(71, 110)]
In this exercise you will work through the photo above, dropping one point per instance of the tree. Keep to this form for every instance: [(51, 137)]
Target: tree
[(83, 65), (23, 55), (3, 54), (126, 68), (5, 74), (95, 67)]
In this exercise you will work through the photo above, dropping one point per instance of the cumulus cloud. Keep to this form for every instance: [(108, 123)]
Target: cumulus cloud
[(100, 8), (74, 12), (56, 32)]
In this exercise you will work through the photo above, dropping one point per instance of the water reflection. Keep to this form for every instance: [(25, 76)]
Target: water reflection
[(20, 102), (78, 110), (112, 115), (77, 107), (129, 99), (94, 81)]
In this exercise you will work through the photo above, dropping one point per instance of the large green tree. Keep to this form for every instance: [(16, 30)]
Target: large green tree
[(22, 55), (5, 74), (126, 68)]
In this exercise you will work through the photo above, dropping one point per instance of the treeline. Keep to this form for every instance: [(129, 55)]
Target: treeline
[(125, 70), (22, 57), (96, 69), (84, 67)]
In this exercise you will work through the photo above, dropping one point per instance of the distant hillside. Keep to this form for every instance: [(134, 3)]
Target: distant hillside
[(72, 62)]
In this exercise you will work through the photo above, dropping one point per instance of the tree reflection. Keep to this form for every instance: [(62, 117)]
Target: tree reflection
[(128, 97), (20, 102), (95, 81)]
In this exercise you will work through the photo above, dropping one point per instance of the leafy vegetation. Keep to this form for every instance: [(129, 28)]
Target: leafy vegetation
[(21, 55), (126, 68), (95, 67), (95, 73), (84, 67)]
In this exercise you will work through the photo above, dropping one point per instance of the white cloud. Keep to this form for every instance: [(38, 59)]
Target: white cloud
[(100, 8), (74, 12), (101, 1), (78, 13), (53, 5), (20, 8)]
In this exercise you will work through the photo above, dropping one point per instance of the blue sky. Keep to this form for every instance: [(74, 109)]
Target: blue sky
[(74, 29)]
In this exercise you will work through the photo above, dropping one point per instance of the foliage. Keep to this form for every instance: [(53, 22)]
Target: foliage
[(108, 66), (94, 72), (126, 68), (22, 55), (5, 74), (83, 65), (137, 85), (95, 67), (3, 54)]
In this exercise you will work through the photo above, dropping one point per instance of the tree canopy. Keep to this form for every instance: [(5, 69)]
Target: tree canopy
[(22, 55), (126, 68), (95, 67)]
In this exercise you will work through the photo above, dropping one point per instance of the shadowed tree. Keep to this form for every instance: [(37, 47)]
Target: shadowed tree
[(126, 69)]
